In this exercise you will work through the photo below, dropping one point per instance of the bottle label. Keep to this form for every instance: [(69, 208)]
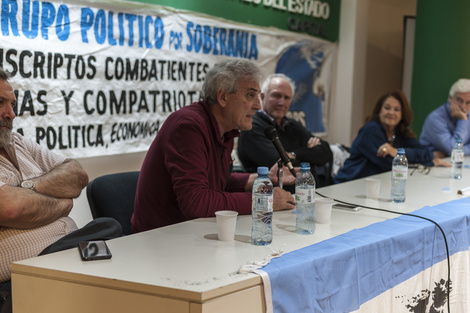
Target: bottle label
[(270, 203), (304, 195), (400, 172), (263, 203), (264, 187), (457, 156)]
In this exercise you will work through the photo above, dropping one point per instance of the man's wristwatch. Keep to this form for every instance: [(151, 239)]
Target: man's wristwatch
[(28, 184)]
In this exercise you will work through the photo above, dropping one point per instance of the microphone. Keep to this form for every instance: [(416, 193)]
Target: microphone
[(271, 133)]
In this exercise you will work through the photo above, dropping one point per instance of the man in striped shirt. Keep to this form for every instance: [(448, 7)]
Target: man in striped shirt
[(37, 188)]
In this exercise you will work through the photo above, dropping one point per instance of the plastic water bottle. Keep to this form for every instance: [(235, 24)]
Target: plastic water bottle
[(456, 159), (262, 209), (399, 176), (305, 200)]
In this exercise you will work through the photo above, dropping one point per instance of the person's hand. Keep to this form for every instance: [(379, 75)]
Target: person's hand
[(440, 162), (287, 179), (456, 112), (66, 205), (386, 149), (283, 200), (312, 142), (291, 155), (439, 154)]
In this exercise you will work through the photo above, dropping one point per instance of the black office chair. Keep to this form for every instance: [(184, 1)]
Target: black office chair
[(113, 196)]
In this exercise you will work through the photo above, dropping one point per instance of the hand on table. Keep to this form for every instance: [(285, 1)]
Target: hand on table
[(288, 178), (283, 200), (439, 154), (440, 162)]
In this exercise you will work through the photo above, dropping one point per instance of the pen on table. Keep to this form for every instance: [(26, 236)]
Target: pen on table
[(463, 190)]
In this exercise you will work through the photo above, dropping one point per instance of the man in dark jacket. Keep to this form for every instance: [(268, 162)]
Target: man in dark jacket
[(255, 149)]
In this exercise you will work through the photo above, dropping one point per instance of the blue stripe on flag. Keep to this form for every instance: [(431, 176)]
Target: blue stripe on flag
[(340, 274)]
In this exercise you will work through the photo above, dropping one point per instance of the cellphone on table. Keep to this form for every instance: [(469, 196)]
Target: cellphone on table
[(347, 207), (94, 250)]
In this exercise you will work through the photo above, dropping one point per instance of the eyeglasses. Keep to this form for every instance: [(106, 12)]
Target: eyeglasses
[(421, 169), (460, 100)]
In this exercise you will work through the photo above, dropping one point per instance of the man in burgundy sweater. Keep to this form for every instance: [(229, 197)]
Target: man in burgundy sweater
[(186, 173)]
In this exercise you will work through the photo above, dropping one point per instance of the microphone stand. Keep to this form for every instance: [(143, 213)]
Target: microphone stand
[(280, 172)]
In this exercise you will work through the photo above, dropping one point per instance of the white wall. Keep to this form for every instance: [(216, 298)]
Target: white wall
[(346, 111), (370, 61), (385, 40), (125, 162)]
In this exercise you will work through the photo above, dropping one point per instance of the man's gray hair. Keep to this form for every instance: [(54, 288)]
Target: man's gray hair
[(267, 83), (462, 86), (226, 75), (4, 75)]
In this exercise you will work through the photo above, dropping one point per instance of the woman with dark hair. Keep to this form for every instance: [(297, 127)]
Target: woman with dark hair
[(376, 144)]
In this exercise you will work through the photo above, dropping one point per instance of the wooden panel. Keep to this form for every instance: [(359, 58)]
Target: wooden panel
[(46, 296), (250, 300)]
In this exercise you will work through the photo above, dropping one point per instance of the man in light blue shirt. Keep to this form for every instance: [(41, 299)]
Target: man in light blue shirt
[(449, 121)]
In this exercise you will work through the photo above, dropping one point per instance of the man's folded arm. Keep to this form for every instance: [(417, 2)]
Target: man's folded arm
[(65, 181), (25, 208)]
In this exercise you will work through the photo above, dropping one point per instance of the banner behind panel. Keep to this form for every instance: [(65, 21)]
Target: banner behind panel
[(94, 80)]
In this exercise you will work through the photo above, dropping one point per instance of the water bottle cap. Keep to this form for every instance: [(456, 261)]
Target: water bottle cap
[(458, 139), (263, 170), (401, 150), (304, 166)]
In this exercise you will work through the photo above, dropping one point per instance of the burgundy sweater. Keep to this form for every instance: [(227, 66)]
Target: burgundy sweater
[(184, 173)]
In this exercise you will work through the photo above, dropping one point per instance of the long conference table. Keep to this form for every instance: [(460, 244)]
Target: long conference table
[(184, 268)]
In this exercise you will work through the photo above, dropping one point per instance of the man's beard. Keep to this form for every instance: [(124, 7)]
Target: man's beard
[(5, 134)]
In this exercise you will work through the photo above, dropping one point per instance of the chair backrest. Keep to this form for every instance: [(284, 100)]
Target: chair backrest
[(113, 196)]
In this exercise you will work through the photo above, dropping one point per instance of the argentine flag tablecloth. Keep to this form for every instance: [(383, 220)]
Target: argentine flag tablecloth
[(399, 265)]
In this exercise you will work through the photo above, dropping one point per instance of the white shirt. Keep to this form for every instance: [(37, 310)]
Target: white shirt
[(31, 161)]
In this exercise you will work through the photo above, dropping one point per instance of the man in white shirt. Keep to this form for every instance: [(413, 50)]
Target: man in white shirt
[(449, 121), (37, 188)]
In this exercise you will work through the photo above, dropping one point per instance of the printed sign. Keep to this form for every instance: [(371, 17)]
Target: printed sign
[(97, 79)]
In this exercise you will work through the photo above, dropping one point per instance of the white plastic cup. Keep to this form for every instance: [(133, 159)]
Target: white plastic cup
[(226, 224), (323, 210), (373, 188)]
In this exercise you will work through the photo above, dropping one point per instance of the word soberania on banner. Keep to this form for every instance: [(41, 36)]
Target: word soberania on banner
[(38, 18)]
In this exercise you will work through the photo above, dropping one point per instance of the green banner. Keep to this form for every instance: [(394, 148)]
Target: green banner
[(441, 54), (312, 17)]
